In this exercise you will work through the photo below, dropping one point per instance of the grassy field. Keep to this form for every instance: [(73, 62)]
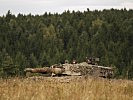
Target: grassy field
[(65, 89)]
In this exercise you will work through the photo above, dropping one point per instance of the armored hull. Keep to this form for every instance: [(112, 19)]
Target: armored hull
[(84, 68)]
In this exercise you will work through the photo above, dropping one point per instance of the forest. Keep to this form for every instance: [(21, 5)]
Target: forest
[(43, 40)]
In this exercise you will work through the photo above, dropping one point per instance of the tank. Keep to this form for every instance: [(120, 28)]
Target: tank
[(89, 67)]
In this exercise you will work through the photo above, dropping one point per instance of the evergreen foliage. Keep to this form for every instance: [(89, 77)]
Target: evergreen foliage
[(43, 40)]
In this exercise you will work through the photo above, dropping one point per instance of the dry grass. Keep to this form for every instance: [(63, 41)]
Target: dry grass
[(78, 89)]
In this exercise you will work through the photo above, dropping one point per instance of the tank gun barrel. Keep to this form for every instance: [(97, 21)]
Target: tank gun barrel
[(38, 70), (45, 70)]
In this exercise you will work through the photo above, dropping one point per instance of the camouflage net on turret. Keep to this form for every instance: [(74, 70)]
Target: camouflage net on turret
[(83, 68), (89, 69)]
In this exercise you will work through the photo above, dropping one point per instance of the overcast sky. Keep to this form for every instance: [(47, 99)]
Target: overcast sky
[(42, 6)]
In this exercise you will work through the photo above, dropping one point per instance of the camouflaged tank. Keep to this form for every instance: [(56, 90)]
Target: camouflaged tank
[(89, 67)]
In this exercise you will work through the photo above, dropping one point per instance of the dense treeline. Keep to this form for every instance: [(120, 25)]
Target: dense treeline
[(43, 40)]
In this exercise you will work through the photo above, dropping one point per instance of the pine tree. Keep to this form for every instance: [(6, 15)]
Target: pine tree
[(21, 63), (33, 61), (8, 66)]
